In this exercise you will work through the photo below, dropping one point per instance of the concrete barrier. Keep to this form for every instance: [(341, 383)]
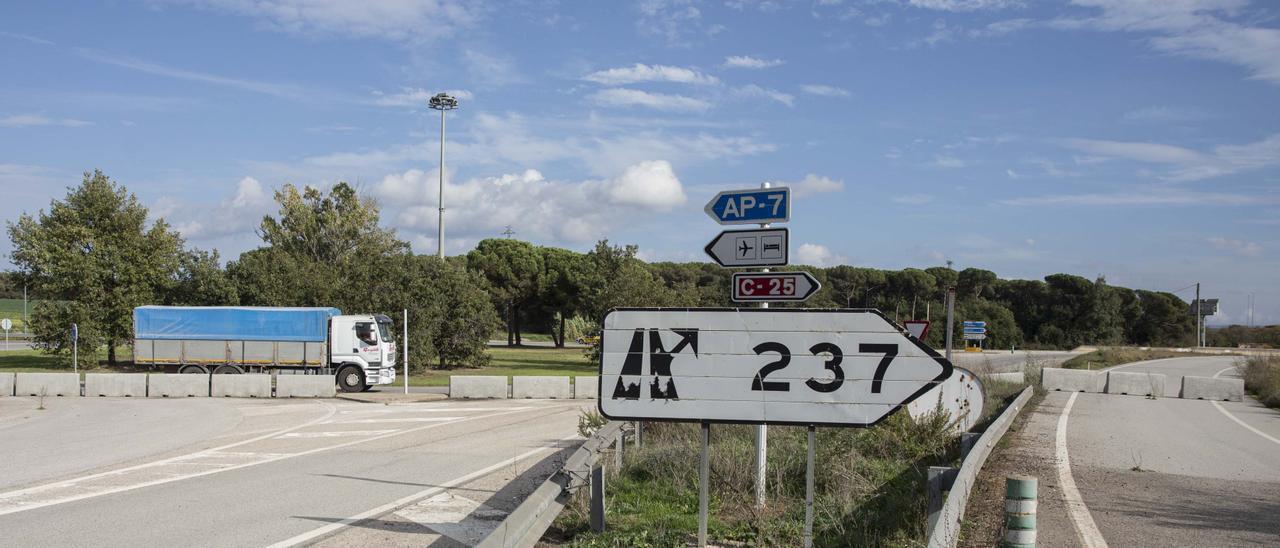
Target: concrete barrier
[(540, 388), (1209, 388), (1073, 380), (6, 384), (116, 385), (1135, 383), (177, 386), (477, 386), (46, 384), (305, 386), (240, 386), (586, 388)]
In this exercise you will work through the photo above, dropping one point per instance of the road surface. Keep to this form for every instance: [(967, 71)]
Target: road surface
[(238, 472), (1130, 471)]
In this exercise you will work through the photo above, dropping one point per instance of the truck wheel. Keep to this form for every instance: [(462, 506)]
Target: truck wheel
[(193, 370), (351, 379), (227, 369)]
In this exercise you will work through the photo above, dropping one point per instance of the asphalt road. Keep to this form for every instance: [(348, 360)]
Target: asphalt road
[(1132, 471), (237, 472)]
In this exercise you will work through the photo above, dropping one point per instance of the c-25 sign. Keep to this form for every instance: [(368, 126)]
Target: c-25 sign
[(763, 366)]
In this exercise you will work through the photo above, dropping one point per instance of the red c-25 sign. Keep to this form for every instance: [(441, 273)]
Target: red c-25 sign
[(751, 287)]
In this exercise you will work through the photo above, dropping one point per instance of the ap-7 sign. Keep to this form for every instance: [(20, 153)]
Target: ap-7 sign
[(788, 366)]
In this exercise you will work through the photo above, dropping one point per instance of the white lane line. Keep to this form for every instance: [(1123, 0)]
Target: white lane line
[(395, 419), (168, 479), (405, 501), (1224, 370), (1234, 418), (1086, 529), (334, 434), (448, 409)]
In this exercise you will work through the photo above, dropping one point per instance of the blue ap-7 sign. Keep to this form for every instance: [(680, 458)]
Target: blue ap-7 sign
[(756, 206)]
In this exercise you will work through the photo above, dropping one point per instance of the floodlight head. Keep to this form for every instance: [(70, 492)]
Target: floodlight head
[(442, 101)]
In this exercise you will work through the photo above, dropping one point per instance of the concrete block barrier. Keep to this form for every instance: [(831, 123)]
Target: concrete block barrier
[(540, 388), (1135, 383), (47, 384), (305, 386), (1073, 380), (177, 386), (6, 384), (240, 386), (117, 385), (586, 388), (477, 386), (1209, 388)]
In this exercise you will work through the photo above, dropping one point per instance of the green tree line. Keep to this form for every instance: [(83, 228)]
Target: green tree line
[(95, 255)]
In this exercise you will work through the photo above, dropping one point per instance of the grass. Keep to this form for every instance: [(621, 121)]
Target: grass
[(12, 309), (35, 361), (519, 361), (1108, 357), (1262, 378)]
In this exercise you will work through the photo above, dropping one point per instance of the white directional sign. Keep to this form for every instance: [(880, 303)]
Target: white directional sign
[(744, 248), (773, 286), (755, 365)]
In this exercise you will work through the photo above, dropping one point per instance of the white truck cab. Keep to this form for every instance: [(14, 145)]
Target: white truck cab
[(362, 351)]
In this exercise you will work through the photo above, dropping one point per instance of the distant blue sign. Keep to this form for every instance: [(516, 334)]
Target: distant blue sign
[(756, 206), (973, 324), (975, 330), (75, 332)]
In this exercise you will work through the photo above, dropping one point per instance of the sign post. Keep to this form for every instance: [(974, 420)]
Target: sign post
[(406, 351), (75, 348)]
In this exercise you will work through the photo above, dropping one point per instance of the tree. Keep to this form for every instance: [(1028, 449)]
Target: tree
[(94, 249), (201, 281), (563, 279), (514, 270), (975, 282), (452, 317)]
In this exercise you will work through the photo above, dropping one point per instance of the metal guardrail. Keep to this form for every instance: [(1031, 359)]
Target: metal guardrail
[(944, 529), (526, 525)]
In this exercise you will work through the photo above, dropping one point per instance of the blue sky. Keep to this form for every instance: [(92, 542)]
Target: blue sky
[(1139, 140)]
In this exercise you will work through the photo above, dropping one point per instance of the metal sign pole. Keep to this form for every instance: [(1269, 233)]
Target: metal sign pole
[(406, 351), (704, 473), (75, 348), (951, 309), (762, 431), (808, 491)]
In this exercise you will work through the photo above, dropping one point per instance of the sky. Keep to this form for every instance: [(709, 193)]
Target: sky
[(1135, 140)]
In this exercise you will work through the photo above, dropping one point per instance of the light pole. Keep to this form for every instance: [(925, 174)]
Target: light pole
[(442, 102)]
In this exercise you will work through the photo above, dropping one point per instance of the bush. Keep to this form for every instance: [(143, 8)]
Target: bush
[(1262, 378)]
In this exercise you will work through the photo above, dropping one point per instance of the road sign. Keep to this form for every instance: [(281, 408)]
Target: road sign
[(973, 324), (743, 248), (751, 287), (6, 324), (762, 366), (975, 336), (75, 332), (753, 206), (975, 329), (961, 396), (1208, 307), (917, 328)]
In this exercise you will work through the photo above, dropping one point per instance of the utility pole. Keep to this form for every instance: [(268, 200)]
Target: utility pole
[(762, 431), (442, 102), (951, 309), (1250, 310), (1199, 318)]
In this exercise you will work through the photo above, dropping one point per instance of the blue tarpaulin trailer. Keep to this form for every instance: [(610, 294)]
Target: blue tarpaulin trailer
[(245, 337)]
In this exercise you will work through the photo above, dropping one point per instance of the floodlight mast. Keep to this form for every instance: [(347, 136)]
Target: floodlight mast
[(442, 102)]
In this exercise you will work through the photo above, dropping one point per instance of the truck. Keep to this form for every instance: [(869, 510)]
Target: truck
[(358, 350)]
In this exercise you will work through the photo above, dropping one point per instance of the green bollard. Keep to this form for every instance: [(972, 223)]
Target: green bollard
[(1020, 512)]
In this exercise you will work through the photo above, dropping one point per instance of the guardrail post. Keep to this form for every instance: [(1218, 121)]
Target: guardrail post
[(617, 449), (967, 440), (639, 433), (597, 498), (1020, 512), (941, 478)]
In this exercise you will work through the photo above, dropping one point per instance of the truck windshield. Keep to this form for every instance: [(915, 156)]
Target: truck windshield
[(384, 330)]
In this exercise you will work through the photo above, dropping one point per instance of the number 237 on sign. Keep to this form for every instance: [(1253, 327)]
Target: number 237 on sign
[(780, 366)]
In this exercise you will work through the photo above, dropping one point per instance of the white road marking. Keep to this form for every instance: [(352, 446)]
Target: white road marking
[(1086, 529), (448, 409), (21, 500), (454, 516), (397, 419), (1234, 418), (391, 506), (334, 434)]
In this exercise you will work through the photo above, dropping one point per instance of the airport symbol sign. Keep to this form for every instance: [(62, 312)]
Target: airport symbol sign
[(761, 366), (747, 248), (753, 206)]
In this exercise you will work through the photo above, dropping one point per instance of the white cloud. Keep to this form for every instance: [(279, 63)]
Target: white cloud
[(749, 62), (1243, 249), (913, 199), (824, 90), (237, 215), (752, 91), (415, 97), (32, 120), (623, 97), (965, 5), (1156, 196), (1011, 173), (1162, 113), (491, 69), (286, 91), (1188, 164), (649, 73), (947, 161), (674, 20), (814, 184), (398, 20), (535, 207), (818, 255)]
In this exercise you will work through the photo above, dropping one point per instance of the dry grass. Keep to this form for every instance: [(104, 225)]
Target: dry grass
[(1262, 378)]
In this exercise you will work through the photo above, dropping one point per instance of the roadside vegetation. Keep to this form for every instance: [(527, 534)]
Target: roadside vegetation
[(1262, 378), (519, 361), (1108, 357)]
